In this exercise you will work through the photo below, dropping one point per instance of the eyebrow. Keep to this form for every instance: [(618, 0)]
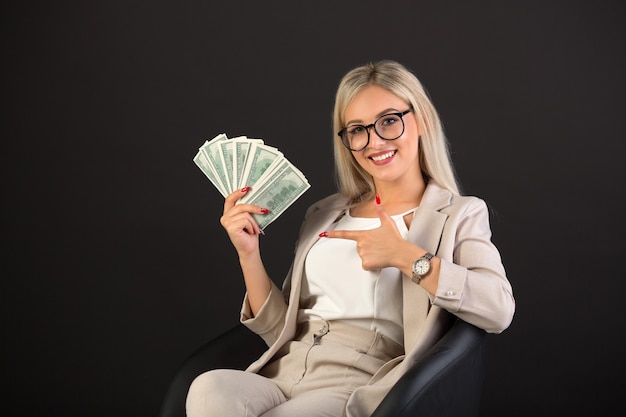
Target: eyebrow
[(386, 111)]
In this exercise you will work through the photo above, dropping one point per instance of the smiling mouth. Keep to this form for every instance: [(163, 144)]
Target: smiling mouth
[(383, 156)]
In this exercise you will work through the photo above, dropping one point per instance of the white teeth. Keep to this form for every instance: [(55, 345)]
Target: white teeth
[(383, 156)]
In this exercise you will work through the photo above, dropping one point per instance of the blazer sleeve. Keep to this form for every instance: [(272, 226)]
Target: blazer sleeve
[(473, 284), (270, 320)]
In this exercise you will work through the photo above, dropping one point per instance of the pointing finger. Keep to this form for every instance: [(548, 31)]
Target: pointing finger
[(342, 234), (382, 214)]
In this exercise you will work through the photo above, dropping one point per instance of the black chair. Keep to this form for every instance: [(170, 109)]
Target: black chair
[(447, 381)]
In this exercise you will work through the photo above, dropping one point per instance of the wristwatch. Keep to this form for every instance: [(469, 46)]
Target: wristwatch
[(421, 267)]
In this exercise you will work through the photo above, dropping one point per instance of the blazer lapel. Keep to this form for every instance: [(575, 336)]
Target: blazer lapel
[(318, 219), (425, 231)]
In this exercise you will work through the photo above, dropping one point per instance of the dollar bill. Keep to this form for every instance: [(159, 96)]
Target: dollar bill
[(240, 158), (261, 159), (212, 152), (204, 163), (205, 167), (226, 158), (287, 185)]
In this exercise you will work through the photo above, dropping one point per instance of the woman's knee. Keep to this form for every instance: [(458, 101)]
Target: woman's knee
[(207, 381), (224, 392), (208, 391)]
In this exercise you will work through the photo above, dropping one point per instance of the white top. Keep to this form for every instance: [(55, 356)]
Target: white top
[(336, 287)]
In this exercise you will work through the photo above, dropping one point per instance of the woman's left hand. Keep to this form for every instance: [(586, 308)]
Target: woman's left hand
[(378, 248)]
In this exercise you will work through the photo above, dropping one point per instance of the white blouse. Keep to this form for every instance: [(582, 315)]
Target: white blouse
[(336, 287)]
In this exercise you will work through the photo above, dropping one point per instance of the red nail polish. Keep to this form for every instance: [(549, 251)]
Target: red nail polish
[(245, 189), (264, 210), (377, 199), (324, 234)]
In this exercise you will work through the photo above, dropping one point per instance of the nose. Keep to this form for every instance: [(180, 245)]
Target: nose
[(375, 139)]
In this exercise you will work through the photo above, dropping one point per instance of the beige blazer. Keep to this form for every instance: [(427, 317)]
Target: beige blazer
[(472, 285)]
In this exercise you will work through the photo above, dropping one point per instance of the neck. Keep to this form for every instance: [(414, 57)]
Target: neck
[(407, 194)]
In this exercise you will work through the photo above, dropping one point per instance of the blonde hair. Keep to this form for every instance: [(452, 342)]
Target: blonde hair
[(354, 182)]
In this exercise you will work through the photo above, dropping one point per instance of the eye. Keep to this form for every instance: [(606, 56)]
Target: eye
[(355, 130), (388, 120)]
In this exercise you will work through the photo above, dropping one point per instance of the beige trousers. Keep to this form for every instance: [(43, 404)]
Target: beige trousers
[(311, 376)]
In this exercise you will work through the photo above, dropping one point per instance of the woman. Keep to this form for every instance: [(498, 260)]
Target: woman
[(379, 268)]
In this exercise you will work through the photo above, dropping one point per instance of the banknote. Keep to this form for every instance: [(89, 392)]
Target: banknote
[(241, 154), (286, 186), (233, 163), (212, 151), (205, 167), (262, 158)]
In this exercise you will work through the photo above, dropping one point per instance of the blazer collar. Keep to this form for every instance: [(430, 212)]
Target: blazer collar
[(427, 224)]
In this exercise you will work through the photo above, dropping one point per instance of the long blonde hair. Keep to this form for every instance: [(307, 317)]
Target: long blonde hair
[(354, 182)]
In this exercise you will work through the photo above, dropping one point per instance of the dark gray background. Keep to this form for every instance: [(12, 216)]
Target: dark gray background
[(115, 266)]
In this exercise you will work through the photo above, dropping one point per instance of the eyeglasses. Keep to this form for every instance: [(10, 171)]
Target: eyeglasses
[(389, 126)]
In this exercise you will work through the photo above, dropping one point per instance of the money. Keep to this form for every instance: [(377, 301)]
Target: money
[(202, 161), (242, 152), (232, 164), (286, 185), (211, 151), (262, 159)]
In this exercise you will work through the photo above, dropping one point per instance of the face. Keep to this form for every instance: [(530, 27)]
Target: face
[(389, 161)]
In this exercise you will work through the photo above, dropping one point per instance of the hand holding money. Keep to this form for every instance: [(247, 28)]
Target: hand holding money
[(235, 163)]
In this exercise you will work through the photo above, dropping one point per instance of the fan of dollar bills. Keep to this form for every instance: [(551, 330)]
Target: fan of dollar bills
[(234, 163)]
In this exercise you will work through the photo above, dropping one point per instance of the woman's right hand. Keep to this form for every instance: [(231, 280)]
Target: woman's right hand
[(238, 222)]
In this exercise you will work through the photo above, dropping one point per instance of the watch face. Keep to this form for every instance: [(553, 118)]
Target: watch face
[(422, 266)]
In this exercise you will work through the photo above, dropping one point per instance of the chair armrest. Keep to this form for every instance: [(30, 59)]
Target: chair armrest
[(447, 381), (236, 348)]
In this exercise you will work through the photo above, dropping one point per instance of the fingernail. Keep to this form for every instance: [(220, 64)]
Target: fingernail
[(377, 200), (324, 234), (264, 210), (245, 189)]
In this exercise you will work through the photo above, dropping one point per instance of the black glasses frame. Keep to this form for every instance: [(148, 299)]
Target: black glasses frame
[(345, 141)]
